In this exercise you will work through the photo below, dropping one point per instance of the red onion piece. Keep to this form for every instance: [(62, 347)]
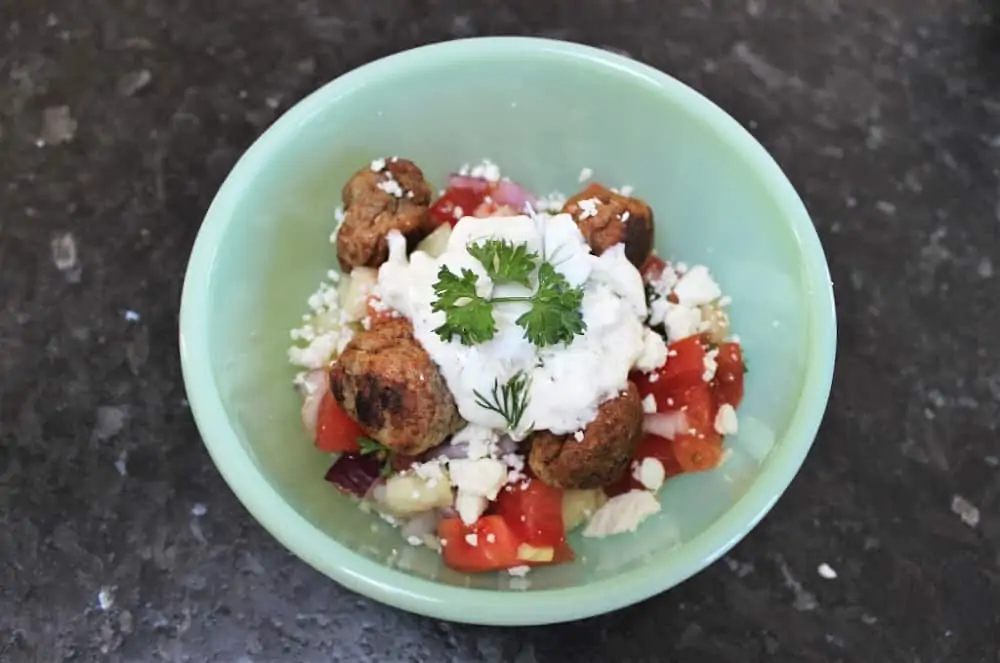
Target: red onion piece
[(314, 385), (512, 194), (475, 184), (667, 424), (354, 474), (446, 451)]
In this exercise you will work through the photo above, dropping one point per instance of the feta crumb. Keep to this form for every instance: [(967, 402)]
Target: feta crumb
[(622, 513), (378, 165), (588, 208), (826, 571), (625, 216), (491, 538), (711, 364), (472, 539), (481, 441), (585, 175), (696, 287), (650, 473), (627, 190), (654, 376), (481, 477), (553, 202), (726, 422), (429, 471), (519, 571), (679, 321), (391, 186), (458, 212), (486, 170), (649, 404), (578, 436), (654, 352), (106, 598), (470, 507), (414, 540)]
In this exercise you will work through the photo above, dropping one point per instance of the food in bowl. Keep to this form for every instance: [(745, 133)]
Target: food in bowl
[(494, 370)]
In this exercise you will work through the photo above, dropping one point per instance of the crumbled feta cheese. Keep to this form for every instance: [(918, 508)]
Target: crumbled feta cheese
[(491, 538), (553, 202), (481, 441), (378, 165), (622, 513), (711, 364), (588, 207), (826, 571), (696, 287), (458, 212), (472, 539), (519, 571), (585, 175), (486, 170), (470, 507), (725, 300), (515, 466), (391, 186), (414, 540), (625, 216), (726, 422), (654, 376), (627, 190), (482, 477), (679, 321), (650, 473), (429, 471), (654, 352), (649, 404), (578, 436)]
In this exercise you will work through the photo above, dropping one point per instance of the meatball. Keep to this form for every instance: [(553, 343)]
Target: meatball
[(387, 382), (397, 197), (562, 461), (607, 218)]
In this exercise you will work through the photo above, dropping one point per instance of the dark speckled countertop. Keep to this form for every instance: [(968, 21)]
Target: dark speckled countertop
[(119, 541)]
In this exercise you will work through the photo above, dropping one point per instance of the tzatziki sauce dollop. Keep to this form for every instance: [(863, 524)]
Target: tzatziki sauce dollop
[(566, 382)]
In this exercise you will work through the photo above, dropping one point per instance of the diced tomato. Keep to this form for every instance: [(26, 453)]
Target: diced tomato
[(685, 367), (534, 512), (335, 430), (698, 406), (492, 546), (728, 382), (653, 268), (467, 199), (492, 208), (697, 454)]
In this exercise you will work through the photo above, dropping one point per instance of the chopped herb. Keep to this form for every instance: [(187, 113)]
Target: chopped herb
[(369, 446), (467, 315), (504, 261), (555, 315), (508, 400)]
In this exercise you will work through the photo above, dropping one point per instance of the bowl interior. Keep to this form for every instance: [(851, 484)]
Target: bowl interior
[(542, 114)]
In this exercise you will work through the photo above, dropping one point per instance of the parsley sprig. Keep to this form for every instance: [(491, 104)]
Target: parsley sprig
[(509, 400), (554, 316), (369, 446)]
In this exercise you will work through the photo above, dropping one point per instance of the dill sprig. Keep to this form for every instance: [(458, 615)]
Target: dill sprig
[(509, 400)]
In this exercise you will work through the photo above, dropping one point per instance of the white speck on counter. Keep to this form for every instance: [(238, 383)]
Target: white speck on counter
[(585, 175), (622, 513), (726, 422), (199, 510), (804, 599), (965, 510), (120, 463), (132, 316), (519, 571), (58, 126), (826, 571), (106, 598), (65, 257)]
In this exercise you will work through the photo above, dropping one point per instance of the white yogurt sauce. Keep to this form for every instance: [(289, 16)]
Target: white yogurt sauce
[(567, 382)]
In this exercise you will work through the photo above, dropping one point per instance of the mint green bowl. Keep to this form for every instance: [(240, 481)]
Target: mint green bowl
[(542, 110)]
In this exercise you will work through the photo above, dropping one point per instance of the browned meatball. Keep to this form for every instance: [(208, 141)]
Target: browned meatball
[(371, 212), (613, 219), (562, 461), (387, 382)]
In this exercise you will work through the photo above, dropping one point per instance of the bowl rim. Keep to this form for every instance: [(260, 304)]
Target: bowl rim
[(483, 606)]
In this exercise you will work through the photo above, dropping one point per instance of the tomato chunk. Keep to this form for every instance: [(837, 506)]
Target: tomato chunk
[(650, 446), (728, 382), (458, 202), (653, 268), (489, 544), (697, 454), (685, 367), (335, 430), (534, 512)]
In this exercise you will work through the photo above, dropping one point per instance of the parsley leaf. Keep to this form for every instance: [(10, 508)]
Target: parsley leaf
[(467, 315), (369, 446), (504, 261), (555, 315)]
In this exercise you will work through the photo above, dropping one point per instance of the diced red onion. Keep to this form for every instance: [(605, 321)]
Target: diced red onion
[(447, 512), (354, 474), (447, 451), (420, 526), (667, 424), (475, 184), (513, 194), (314, 385)]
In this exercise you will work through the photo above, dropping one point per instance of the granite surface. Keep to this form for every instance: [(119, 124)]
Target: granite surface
[(119, 541)]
